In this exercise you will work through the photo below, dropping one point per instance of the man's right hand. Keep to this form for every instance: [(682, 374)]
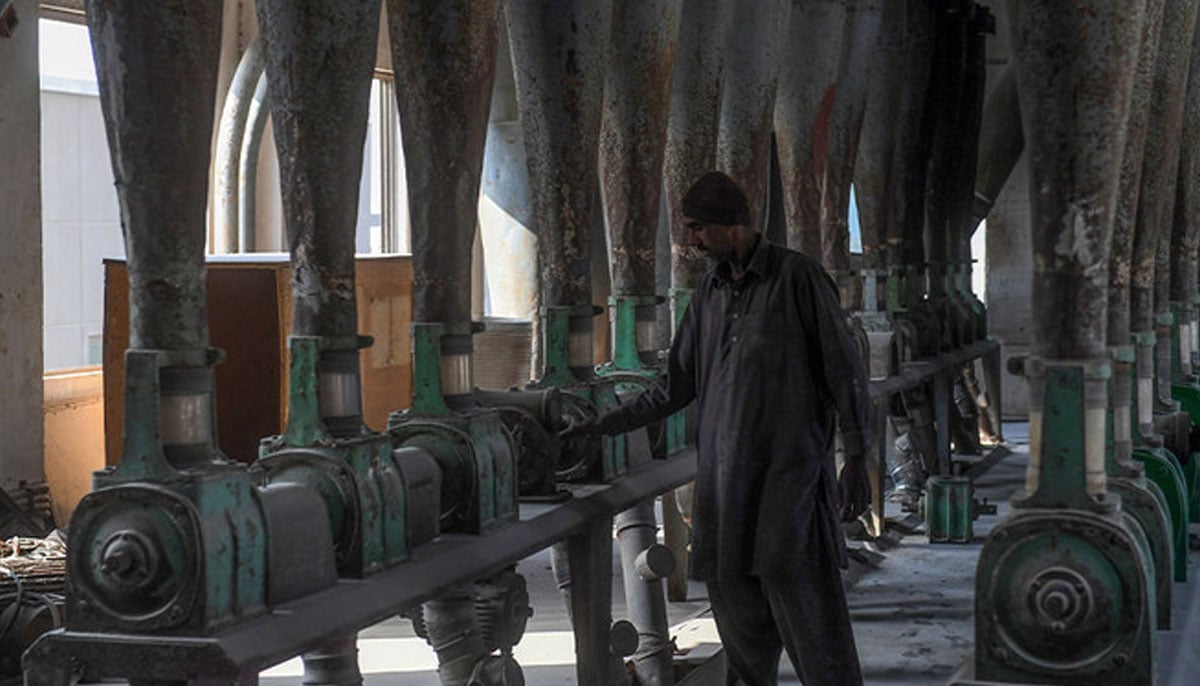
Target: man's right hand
[(573, 426)]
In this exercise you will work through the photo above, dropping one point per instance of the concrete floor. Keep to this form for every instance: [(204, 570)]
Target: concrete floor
[(912, 614)]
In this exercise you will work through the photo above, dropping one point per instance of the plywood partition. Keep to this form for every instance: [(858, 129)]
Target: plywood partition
[(249, 306)]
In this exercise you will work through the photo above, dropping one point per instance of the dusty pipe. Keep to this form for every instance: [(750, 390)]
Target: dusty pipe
[(1161, 154), (873, 167), (970, 129), (231, 132), (859, 50), (320, 58), (753, 58), (558, 52), (645, 598), (914, 135), (256, 125), (693, 122), (1075, 134), (1185, 234), (148, 54), (1076, 137), (803, 107), (1124, 225), (947, 92), (444, 54), (633, 135), (1125, 218), (1001, 142)]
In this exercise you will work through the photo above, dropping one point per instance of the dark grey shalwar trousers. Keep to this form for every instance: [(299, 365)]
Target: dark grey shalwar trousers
[(756, 618)]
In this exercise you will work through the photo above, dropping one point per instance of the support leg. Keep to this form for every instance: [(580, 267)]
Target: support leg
[(942, 399), (675, 535), (589, 554)]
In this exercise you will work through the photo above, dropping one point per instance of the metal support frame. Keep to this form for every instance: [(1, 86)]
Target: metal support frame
[(940, 370), (235, 656)]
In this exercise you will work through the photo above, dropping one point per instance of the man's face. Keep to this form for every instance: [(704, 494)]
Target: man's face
[(713, 240)]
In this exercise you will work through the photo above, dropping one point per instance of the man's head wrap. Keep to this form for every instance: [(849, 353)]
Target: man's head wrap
[(716, 199)]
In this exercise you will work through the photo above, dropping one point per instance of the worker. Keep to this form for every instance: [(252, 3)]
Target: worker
[(765, 350)]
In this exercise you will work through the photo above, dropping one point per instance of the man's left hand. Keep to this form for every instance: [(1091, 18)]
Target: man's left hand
[(854, 489)]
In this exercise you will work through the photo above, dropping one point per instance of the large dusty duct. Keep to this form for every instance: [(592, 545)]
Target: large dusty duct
[(1185, 236), (1001, 142), (694, 120), (860, 47), (754, 55), (803, 107), (161, 172)]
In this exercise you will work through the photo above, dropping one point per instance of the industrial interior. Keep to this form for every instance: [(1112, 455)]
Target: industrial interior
[(302, 438)]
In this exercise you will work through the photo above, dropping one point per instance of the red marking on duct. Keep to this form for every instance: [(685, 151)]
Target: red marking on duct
[(820, 131)]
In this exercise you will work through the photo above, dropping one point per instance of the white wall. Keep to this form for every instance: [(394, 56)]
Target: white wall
[(80, 223)]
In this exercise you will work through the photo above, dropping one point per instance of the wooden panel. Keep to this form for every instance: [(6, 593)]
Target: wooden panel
[(249, 311), (384, 289), (74, 424)]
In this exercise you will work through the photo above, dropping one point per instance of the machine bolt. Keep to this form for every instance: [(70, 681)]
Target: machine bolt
[(1058, 627), (1120, 659)]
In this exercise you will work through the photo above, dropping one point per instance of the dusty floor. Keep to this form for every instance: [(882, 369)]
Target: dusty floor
[(912, 614)]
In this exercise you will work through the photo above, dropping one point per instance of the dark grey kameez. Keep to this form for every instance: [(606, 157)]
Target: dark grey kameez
[(770, 359)]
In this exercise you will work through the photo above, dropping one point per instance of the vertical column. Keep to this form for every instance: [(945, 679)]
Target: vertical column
[(21, 235)]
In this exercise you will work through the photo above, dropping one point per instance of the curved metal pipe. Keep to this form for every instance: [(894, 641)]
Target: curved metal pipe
[(1160, 159), (148, 54), (845, 125), (1125, 217), (633, 135), (256, 125), (980, 24), (692, 128), (1076, 135), (558, 51), (444, 53), (231, 134), (755, 48), (873, 168), (320, 57), (803, 107)]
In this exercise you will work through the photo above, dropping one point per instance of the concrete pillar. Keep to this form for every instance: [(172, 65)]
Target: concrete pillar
[(21, 415)]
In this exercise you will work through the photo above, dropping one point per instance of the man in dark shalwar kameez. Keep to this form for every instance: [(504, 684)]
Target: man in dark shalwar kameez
[(765, 350)]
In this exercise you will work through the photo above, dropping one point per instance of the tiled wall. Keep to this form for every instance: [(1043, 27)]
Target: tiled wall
[(80, 223)]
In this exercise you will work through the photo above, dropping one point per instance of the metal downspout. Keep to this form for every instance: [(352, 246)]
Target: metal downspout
[(320, 58), (754, 57), (803, 106), (1001, 142), (230, 139), (692, 127), (632, 139)]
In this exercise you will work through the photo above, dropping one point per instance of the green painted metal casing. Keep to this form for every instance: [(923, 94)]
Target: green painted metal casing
[(363, 488), (203, 525), (473, 449), (627, 370), (951, 509), (1065, 586), (597, 458)]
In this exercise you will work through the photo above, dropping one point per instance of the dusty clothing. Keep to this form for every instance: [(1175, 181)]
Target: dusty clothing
[(770, 360), (756, 618)]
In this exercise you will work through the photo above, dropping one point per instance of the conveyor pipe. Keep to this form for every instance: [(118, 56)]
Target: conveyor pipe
[(256, 126), (693, 122), (1185, 234), (753, 59), (803, 108)]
